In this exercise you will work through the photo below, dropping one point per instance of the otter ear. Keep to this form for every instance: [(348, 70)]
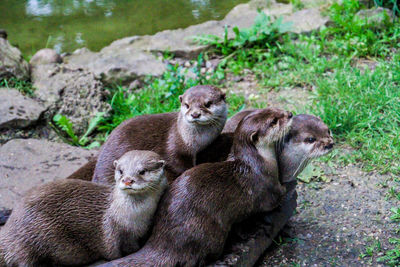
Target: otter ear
[(180, 98), (223, 96), (157, 164), (160, 164), (254, 137), (115, 163)]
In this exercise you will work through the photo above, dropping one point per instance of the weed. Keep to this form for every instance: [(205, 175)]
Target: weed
[(66, 126), (24, 87)]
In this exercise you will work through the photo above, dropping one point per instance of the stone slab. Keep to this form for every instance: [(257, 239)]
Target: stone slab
[(121, 65), (306, 20), (17, 110), (25, 163)]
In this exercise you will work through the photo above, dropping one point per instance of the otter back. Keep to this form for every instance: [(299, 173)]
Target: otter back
[(146, 132)]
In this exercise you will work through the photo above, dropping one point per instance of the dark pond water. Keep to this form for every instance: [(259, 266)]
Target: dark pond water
[(70, 24)]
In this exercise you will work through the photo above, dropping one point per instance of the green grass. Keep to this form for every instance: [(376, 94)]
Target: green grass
[(363, 109), (24, 87)]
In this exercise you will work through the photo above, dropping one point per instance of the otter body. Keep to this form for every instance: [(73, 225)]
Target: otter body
[(177, 137), (196, 214), (74, 222)]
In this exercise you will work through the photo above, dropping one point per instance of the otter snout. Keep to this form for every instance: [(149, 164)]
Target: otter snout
[(329, 144), (195, 114), (127, 181)]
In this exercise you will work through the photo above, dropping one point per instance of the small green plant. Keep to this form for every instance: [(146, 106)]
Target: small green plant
[(66, 126), (24, 87), (262, 34), (392, 256)]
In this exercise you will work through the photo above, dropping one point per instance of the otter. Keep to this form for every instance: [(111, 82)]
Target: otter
[(197, 212), (75, 222), (177, 136), (308, 138)]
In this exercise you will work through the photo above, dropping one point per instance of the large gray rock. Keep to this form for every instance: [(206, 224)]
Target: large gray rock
[(17, 110), (25, 163), (73, 92), (306, 20), (117, 65), (12, 63), (376, 17), (45, 56)]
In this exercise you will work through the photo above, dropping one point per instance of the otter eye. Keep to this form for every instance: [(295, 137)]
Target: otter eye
[(186, 105), (310, 140), (274, 121), (208, 104), (142, 172), (121, 172)]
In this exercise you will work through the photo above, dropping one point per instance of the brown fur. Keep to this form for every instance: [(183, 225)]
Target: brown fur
[(74, 222), (196, 214), (86, 171), (169, 134)]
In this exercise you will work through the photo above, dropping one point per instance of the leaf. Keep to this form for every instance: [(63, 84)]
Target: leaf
[(92, 125), (65, 124), (310, 172)]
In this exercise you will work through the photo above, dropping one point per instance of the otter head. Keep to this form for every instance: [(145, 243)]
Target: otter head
[(310, 135), (204, 105), (262, 128), (308, 138), (139, 171)]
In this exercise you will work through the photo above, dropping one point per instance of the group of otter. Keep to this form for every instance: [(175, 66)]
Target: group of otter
[(213, 174)]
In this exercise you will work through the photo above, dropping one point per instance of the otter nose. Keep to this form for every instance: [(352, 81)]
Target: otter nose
[(290, 115), (127, 181), (195, 115), (329, 146)]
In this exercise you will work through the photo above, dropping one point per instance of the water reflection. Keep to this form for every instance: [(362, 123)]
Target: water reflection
[(70, 24), (38, 8)]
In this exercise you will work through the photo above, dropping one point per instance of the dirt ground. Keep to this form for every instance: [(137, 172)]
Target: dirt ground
[(336, 221)]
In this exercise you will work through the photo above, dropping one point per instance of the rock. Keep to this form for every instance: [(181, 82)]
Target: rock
[(306, 20), (73, 92), (45, 56), (3, 34), (12, 63), (25, 163), (17, 110), (376, 17), (118, 63), (279, 10)]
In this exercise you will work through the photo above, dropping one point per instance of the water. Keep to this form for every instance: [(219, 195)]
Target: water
[(66, 25)]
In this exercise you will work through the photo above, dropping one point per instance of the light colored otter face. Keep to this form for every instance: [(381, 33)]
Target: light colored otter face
[(273, 125), (139, 171), (204, 105), (309, 137)]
